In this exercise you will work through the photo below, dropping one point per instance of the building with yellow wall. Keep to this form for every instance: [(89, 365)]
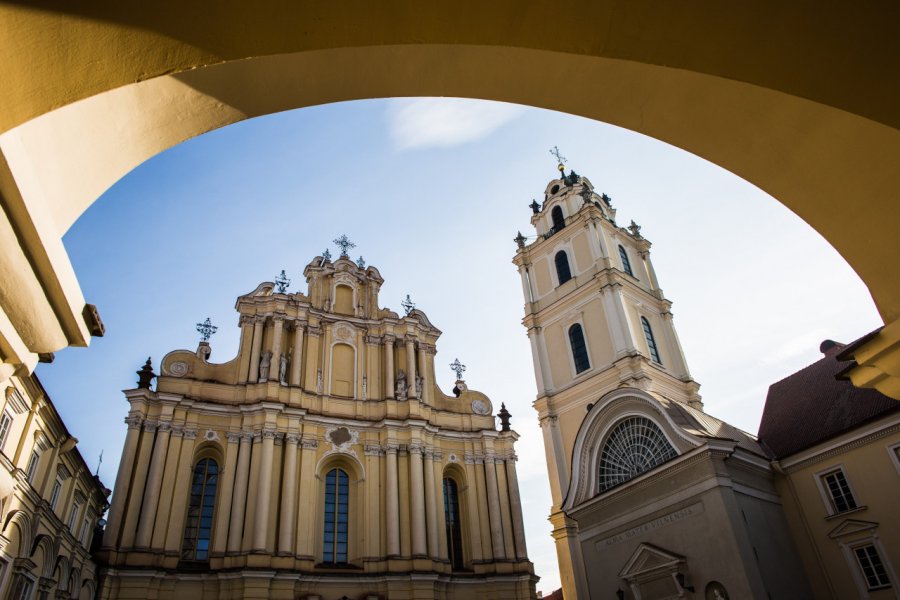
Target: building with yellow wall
[(323, 460), (837, 450), (50, 503)]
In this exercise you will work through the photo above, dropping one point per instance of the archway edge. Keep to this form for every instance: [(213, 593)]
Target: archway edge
[(809, 155)]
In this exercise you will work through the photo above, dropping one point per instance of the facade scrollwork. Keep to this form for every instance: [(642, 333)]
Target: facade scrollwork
[(190, 434)]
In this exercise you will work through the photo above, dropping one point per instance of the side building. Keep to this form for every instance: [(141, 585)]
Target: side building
[(838, 457), (322, 461), (50, 504), (652, 497)]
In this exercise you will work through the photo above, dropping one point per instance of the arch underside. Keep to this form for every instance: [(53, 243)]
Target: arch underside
[(808, 113)]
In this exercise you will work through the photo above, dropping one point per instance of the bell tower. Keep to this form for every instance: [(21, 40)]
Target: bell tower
[(597, 320)]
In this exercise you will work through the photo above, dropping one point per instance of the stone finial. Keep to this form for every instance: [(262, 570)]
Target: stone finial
[(504, 417), (519, 240), (635, 229), (145, 375), (535, 207)]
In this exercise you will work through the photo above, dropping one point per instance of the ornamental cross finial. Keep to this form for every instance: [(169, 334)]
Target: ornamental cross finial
[(559, 157), (361, 262), (408, 305), (282, 282), (206, 329), (458, 368), (344, 244), (326, 256)]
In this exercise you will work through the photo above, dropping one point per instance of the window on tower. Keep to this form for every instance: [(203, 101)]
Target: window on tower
[(559, 221), (337, 501), (579, 349), (563, 273), (626, 264), (198, 527), (651, 341)]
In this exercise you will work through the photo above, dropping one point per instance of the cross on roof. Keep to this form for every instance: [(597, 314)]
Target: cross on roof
[(282, 282), (458, 368), (344, 244), (206, 329), (559, 157)]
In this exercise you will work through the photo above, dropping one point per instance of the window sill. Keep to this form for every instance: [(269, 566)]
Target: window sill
[(846, 512)]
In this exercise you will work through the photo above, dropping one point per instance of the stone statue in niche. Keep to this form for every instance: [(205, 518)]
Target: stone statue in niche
[(402, 387), (320, 384), (283, 371), (420, 383), (265, 363), (327, 304)]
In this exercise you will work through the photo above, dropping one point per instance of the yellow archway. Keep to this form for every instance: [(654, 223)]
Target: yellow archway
[(800, 99)]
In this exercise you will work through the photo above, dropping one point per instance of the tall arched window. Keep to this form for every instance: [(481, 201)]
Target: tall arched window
[(198, 528), (651, 341), (559, 221), (579, 349), (562, 267), (337, 499), (635, 446), (453, 523), (626, 264)]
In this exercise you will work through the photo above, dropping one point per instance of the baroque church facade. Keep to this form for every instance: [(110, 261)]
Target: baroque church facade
[(652, 497), (322, 461)]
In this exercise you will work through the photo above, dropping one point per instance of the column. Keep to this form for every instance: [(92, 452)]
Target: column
[(392, 503), (493, 497), (175, 533), (541, 374), (617, 319), (417, 501), (297, 355), (246, 322), (307, 497), (123, 479), (515, 504), (483, 531), (288, 494), (275, 371), (239, 498), (471, 518), (411, 365), (154, 486), (509, 543), (226, 493), (261, 521), (430, 505), (253, 375), (440, 523), (676, 354), (556, 461), (388, 366), (137, 484), (423, 373), (164, 510), (648, 266), (374, 505), (313, 334)]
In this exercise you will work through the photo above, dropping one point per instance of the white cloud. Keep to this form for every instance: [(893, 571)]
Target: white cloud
[(443, 122)]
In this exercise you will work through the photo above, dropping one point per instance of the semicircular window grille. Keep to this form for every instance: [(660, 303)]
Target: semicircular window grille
[(635, 446)]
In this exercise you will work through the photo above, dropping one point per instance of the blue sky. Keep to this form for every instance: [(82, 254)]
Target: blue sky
[(432, 191)]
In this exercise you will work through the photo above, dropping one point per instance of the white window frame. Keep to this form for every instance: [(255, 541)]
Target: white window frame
[(73, 516), (827, 499), (894, 453), (85, 525), (6, 421), (859, 578), (566, 325), (55, 492), (570, 257), (32, 467), (644, 315)]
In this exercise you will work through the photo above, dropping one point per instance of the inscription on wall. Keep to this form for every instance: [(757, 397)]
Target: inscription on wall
[(688, 511)]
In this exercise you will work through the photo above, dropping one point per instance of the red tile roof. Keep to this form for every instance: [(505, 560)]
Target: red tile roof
[(812, 405)]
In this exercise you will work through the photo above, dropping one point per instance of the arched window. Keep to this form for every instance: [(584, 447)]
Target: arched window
[(579, 349), (626, 264), (337, 499), (198, 528), (562, 267), (453, 523), (635, 446), (651, 342), (559, 221)]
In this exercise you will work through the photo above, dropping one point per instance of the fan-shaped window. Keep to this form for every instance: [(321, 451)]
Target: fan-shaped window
[(635, 446), (651, 341), (559, 221), (198, 527), (563, 273), (453, 523), (579, 349), (337, 500), (626, 264)]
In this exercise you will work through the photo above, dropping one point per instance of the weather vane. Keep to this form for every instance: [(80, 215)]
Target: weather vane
[(458, 368), (559, 157), (344, 244), (282, 282), (408, 305), (206, 329)]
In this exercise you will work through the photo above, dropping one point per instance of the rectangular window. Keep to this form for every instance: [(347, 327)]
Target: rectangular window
[(31, 469), (54, 495), (872, 568), (73, 516), (21, 588), (838, 491), (5, 423), (84, 529)]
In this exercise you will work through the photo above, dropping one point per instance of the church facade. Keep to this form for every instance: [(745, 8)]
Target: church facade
[(322, 461), (652, 497)]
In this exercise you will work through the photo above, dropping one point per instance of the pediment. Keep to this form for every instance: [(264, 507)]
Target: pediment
[(850, 527), (648, 558)]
